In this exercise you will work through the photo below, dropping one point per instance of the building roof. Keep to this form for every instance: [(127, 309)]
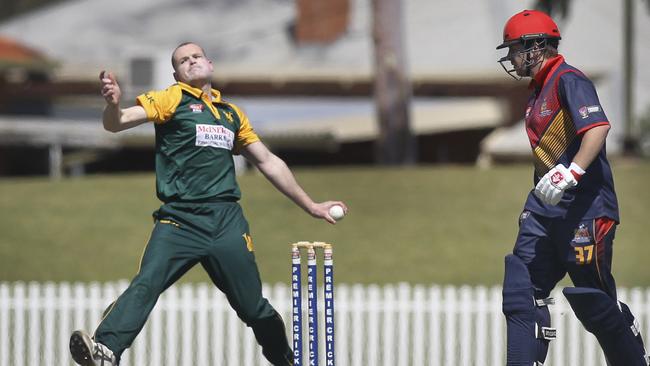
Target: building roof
[(12, 54), (249, 38)]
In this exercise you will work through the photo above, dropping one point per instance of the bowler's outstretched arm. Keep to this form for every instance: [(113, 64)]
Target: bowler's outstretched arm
[(114, 118), (279, 174)]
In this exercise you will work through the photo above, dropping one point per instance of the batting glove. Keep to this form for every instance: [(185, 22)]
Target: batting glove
[(552, 185)]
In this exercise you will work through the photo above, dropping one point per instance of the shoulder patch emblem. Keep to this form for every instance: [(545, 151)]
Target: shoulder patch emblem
[(584, 111)]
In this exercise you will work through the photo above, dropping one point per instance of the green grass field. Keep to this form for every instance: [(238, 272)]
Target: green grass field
[(446, 225)]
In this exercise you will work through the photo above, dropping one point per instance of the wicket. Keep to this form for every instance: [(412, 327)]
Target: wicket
[(312, 301)]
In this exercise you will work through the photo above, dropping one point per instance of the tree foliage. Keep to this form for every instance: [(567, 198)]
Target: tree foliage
[(11, 8), (559, 8)]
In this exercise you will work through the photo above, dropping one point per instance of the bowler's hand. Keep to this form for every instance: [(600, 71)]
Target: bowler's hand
[(110, 88), (552, 185), (321, 210)]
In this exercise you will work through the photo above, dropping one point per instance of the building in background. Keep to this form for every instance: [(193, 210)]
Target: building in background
[(22, 67), (303, 70)]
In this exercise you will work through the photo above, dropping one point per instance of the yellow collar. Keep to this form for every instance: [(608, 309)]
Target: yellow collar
[(198, 93)]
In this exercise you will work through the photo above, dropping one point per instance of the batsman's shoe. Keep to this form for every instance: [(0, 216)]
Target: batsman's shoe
[(86, 352)]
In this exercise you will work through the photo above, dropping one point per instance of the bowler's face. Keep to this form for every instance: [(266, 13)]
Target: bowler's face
[(191, 65)]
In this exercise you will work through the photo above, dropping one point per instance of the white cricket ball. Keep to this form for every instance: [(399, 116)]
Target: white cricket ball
[(337, 212)]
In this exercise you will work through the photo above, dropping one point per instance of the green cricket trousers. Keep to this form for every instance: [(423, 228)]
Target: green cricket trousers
[(215, 234)]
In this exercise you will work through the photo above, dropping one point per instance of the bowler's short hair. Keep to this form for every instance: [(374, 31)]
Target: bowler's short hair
[(181, 45)]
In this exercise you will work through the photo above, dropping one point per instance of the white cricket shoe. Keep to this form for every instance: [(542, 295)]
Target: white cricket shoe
[(86, 352)]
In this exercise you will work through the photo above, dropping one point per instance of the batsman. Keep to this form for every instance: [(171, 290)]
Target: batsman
[(570, 217), (200, 220)]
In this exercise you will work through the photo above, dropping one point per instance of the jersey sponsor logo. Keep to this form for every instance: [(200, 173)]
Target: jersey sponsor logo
[(581, 235), (214, 136), (584, 111), (524, 215), (197, 108)]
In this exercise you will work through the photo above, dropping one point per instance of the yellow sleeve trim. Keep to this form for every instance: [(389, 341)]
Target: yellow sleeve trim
[(246, 135), (160, 105)]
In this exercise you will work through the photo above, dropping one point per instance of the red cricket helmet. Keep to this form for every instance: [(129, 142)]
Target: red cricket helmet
[(529, 24)]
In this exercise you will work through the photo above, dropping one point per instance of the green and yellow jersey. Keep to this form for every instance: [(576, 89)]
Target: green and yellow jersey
[(195, 142)]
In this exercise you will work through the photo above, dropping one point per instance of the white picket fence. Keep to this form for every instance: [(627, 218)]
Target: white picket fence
[(375, 325)]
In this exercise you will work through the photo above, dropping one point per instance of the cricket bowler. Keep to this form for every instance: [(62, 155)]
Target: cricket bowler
[(200, 220)]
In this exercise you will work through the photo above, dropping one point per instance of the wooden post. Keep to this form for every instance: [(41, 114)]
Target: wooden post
[(630, 137), (395, 144), (56, 161)]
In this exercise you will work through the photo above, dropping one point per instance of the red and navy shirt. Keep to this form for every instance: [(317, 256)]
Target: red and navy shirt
[(563, 106)]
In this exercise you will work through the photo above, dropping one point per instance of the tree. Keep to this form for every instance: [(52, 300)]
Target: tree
[(552, 7), (10, 8)]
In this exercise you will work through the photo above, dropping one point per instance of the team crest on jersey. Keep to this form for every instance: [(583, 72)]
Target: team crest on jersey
[(543, 109), (229, 116), (581, 235), (197, 108)]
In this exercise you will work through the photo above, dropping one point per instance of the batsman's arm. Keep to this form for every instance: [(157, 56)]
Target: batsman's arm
[(279, 174), (115, 118), (592, 142)]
